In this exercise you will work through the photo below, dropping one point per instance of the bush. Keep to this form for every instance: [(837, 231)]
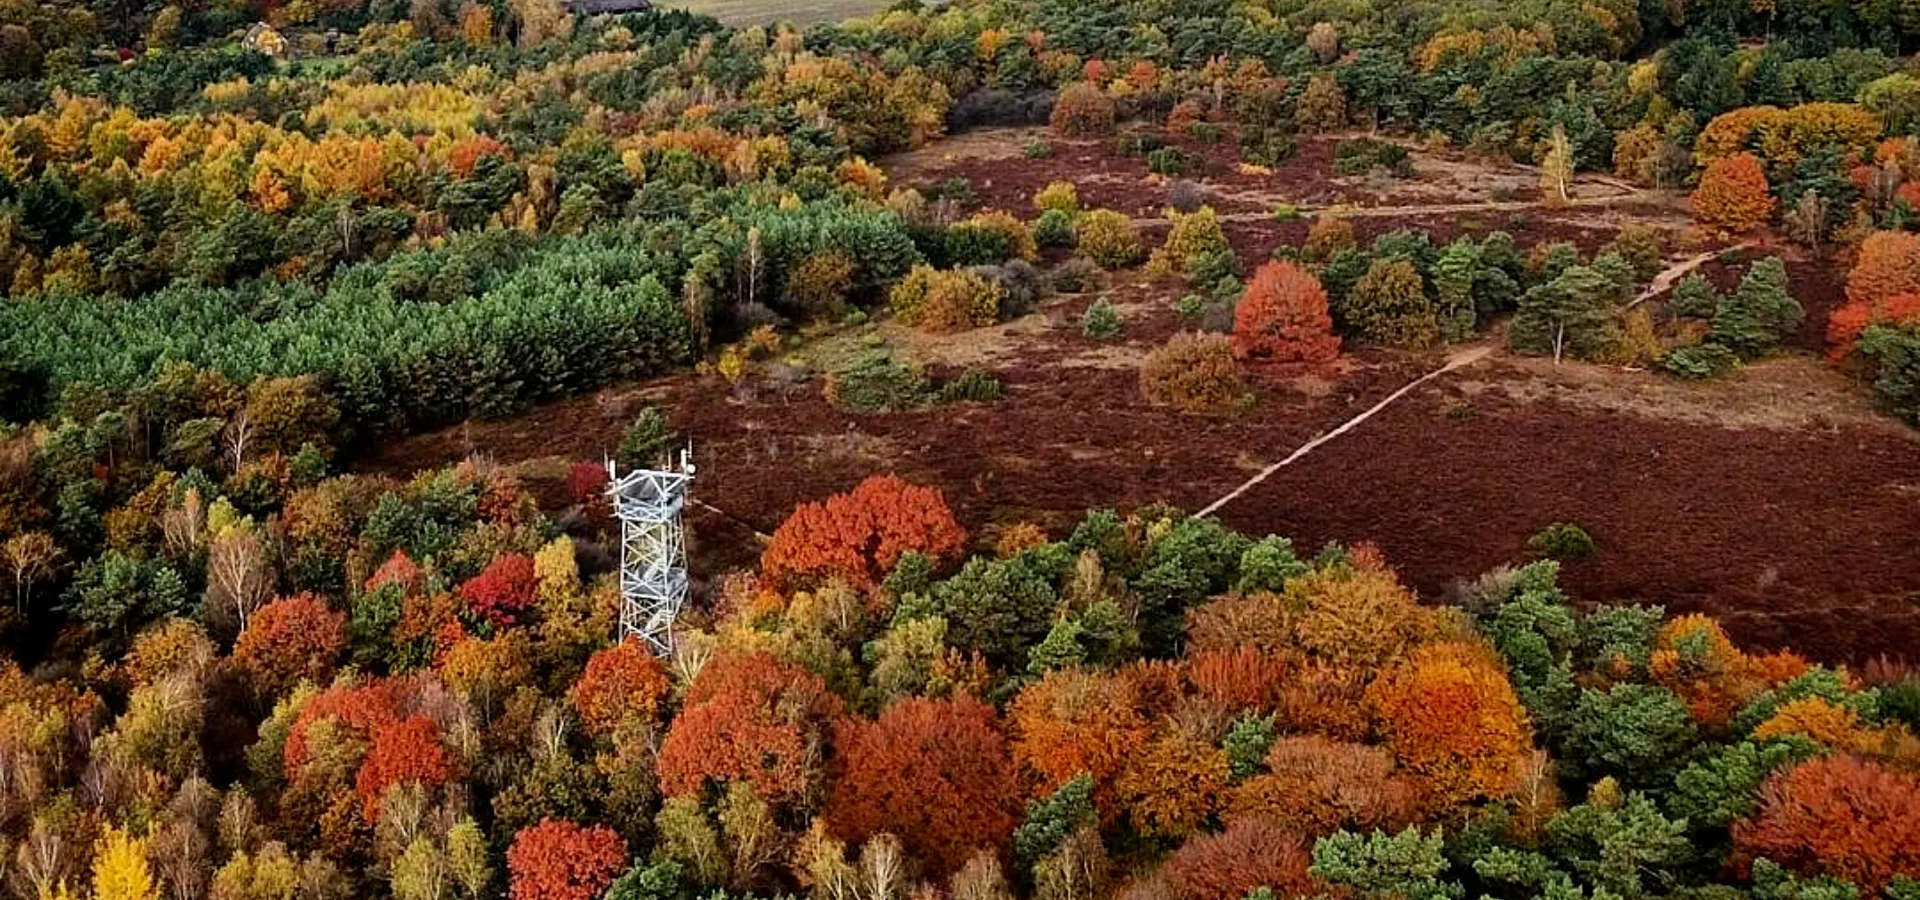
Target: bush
[(1039, 150), (820, 284), (1640, 245), (1562, 540), (1195, 372), (1701, 361), (1083, 110), (1283, 317), (972, 386), (1329, 234), (1108, 238), (1168, 161), (1192, 238), (949, 300), (1733, 194), (1059, 195), (1054, 228), (987, 238), (1358, 156), (1075, 276), (1186, 196), (1893, 355), (877, 384), (1101, 321), (1021, 286)]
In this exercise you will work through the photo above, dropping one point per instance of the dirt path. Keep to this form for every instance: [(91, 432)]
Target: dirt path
[(1672, 274), (1464, 357), (1451, 209)]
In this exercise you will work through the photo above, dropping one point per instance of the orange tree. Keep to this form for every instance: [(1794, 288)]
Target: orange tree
[(1452, 720), (1283, 317), (558, 860), (935, 773), (1072, 722), (859, 535), (295, 638), (623, 683), (1838, 816), (1733, 194), (749, 717), (1249, 854)]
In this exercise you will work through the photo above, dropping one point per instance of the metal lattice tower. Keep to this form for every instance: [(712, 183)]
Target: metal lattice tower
[(653, 549)]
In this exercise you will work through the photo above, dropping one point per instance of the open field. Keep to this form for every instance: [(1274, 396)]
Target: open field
[(1777, 499), (764, 12)]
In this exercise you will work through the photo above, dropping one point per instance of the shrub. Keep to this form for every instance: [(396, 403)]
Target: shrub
[(1108, 238), (1039, 150), (1759, 313), (988, 238), (859, 535), (1054, 228), (1322, 106), (1642, 246), (1887, 265), (1021, 286), (820, 284), (1733, 194), (1838, 816), (1168, 161), (1389, 305), (1075, 276), (971, 386), (1101, 321), (1329, 234), (1060, 195), (1700, 361), (1195, 372), (1283, 317), (1186, 196), (1561, 540), (1083, 110), (558, 860), (877, 384), (946, 300), (1192, 237)]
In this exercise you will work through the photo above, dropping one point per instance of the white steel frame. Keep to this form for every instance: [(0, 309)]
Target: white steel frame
[(653, 550)]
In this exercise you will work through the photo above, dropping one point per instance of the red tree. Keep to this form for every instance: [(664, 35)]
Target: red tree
[(859, 535), (1283, 317), (362, 708), (558, 860), (622, 683), (749, 717), (291, 639), (468, 153), (1839, 816), (1249, 854), (405, 751), (399, 569), (1847, 323), (503, 591), (934, 772)]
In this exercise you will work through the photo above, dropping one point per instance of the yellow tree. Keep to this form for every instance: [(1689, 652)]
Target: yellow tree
[(1556, 170), (120, 868)]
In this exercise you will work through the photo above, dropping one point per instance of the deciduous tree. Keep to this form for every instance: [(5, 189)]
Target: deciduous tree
[(1283, 317), (859, 535), (1838, 816), (558, 860)]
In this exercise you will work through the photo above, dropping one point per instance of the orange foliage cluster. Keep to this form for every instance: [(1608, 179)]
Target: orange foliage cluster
[(1694, 658), (935, 773), (399, 569), (1840, 816), (558, 860), (859, 535), (1283, 317), (1840, 728), (289, 640), (466, 154), (502, 592), (749, 717), (1451, 718), (1883, 286), (622, 684), (1240, 679), (1172, 784), (1733, 194), (360, 707), (1316, 786), (407, 751), (1249, 854), (1073, 721)]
